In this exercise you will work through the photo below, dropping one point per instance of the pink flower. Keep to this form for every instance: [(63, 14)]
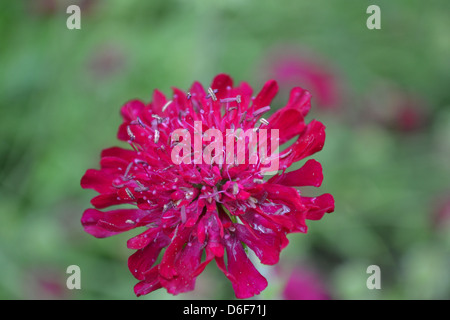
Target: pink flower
[(291, 66), (396, 109), (304, 284), (440, 217), (106, 61), (194, 213), (53, 7), (43, 283)]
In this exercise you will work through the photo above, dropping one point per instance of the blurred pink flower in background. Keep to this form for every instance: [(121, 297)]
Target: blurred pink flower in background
[(441, 215), (107, 60), (52, 7), (42, 7), (396, 109), (44, 283), (292, 66), (409, 115), (304, 284)]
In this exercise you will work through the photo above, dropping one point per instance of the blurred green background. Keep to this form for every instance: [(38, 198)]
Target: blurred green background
[(385, 160)]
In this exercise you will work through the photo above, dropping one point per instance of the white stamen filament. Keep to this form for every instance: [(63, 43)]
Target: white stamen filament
[(286, 154), (166, 105), (261, 111), (130, 134), (212, 94), (129, 193), (264, 121)]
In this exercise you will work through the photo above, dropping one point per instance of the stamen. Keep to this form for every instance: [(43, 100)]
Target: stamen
[(118, 186), (166, 105), (155, 116), (129, 193), (183, 214), (225, 100), (156, 138), (188, 96), (264, 121), (243, 117), (166, 207), (235, 188), (140, 187), (284, 209), (212, 94), (127, 171), (138, 161), (261, 111), (139, 122), (130, 134), (238, 98), (286, 154)]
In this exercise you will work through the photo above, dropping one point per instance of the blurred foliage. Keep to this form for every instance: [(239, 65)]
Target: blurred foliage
[(59, 107)]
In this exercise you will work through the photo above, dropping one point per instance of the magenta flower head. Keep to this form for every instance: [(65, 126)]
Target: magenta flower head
[(197, 178)]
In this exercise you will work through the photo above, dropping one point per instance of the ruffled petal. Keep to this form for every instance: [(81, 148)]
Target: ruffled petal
[(222, 83), (117, 152), (245, 278), (131, 110), (318, 206), (185, 268), (310, 141), (98, 180), (289, 122), (262, 236), (149, 284), (310, 174), (266, 95), (158, 102), (300, 99), (143, 259), (104, 224)]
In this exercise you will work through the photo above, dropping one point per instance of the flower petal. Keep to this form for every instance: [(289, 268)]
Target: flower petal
[(245, 279), (289, 122), (143, 259), (266, 95), (151, 283), (310, 174), (185, 264), (318, 206), (98, 180), (132, 109), (300, 99), (310, 141), (221, 83), (158, 102), (262, 237), (104, 224), (125, 154)]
